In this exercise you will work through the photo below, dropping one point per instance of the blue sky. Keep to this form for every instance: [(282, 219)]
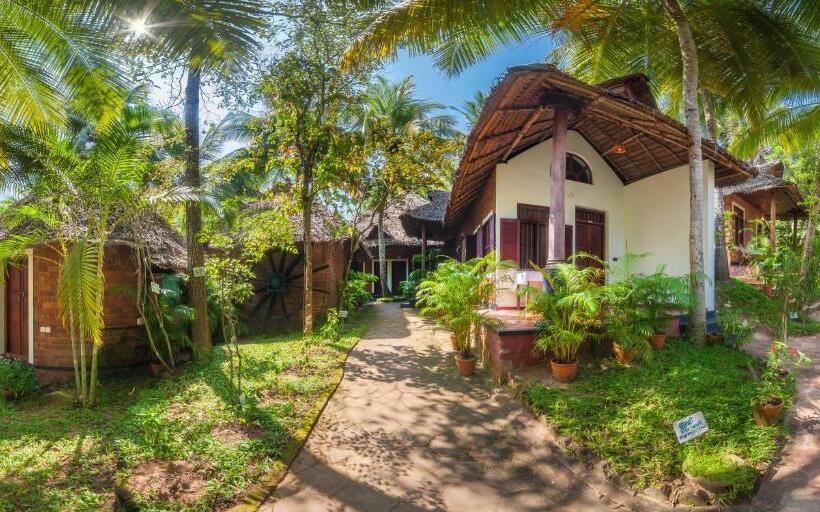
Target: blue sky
[(434, 85)]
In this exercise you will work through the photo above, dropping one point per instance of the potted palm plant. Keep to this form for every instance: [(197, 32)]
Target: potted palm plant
[(655, 296), (453, 294), (627, 324), (569, 311)]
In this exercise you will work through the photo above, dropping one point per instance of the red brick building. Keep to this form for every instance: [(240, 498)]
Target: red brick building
[(30, 313)]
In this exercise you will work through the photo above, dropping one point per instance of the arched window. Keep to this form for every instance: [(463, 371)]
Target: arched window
[(578, 170)]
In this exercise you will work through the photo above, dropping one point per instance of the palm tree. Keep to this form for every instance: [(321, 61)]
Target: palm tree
[(82, 185), (393, 109), (462, 33), (472, 108), (49, 53), (210, 37)]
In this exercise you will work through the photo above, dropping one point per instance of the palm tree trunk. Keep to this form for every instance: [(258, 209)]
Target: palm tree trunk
[(689, 56), (811, 232), (200, 329), (382, 255), (92, 384), (307, 227), (721, 255)]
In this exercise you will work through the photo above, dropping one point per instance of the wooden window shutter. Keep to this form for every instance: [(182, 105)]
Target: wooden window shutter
[(509, 240), (568, 241), (543, 239), (479, 242)]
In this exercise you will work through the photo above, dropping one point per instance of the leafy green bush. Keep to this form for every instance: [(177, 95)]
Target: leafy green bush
[(410, 285), (332, 328), (353, 291), (737, 330), (758, 308), (16, 378)]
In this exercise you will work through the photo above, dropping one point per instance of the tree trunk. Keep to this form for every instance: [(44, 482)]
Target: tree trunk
[(382, 256), (689, 56), (709, 115), (721, 255), (811, 232), (200, 328), (307, 221)]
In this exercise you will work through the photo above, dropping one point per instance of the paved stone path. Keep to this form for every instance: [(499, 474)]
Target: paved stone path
[(404, 433), (793, 483)]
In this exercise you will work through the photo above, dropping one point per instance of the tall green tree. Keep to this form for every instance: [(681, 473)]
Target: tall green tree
[(81, 186), (210, 39), (310, 146), (462, 33), (407, 139)]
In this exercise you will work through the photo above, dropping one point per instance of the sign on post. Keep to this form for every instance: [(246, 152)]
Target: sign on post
[(691, 427), (199, 271), (155, 288)]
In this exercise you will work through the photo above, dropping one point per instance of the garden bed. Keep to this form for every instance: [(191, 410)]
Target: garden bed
[(172, 443), (625, 415)]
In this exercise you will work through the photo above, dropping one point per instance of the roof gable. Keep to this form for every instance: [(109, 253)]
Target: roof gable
[(633, 138)]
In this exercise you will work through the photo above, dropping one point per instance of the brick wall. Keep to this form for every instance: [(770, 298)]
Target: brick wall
[(505, 351), (325, 295), (123, 339)]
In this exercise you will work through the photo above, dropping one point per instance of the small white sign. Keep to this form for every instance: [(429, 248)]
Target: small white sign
[(691, 427), (155, 287), (45, 328), (793, 315), (342, 313), (199, 271)]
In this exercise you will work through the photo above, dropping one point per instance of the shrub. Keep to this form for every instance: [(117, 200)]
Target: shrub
[(16, 378), (353, 290), (737, 331), (332, 329)]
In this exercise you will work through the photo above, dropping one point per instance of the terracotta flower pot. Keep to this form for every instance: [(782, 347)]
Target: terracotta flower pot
[(157, 369), (465, 365), (768, 414), (564, 372), (714, 339), (768, 290), (623, 355), (657, 341), (453, 342)]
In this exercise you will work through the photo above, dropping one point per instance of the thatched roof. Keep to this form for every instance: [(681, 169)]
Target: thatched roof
[(768, 181), (429, 214), (324, 225), (394, 231), (166, 246), (632, 87), (518, 115)]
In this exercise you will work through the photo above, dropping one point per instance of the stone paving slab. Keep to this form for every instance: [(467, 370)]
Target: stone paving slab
[(404, 432)]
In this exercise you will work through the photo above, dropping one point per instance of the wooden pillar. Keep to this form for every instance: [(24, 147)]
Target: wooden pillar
[(773, 219), (423, 246), (556, 249)]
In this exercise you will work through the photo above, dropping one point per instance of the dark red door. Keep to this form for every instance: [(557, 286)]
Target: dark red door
[(589, 235), (16, 311)]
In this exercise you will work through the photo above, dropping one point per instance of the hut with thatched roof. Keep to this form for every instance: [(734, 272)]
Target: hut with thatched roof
[(278, 300), (32, 329), (555, 166), (406, 222), (767, 197)]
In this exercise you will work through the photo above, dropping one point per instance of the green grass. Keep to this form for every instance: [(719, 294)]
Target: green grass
[(625, 415), (57, 456)]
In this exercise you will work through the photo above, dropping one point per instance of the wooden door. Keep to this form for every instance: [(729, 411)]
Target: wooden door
[(398, 273), (17, 311), (589, 236)]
